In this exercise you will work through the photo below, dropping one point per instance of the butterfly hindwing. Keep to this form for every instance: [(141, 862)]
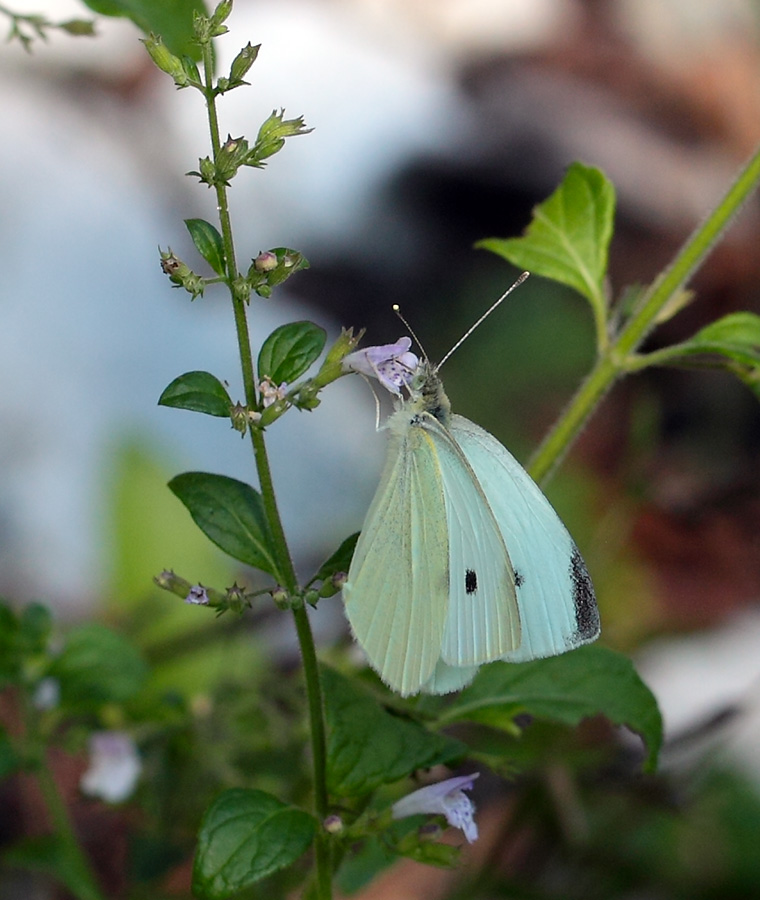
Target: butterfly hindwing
[(396, 597), (554, 593), (483, 622)]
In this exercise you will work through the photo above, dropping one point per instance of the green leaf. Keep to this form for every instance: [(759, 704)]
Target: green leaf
[(735, 336), (208, 242), (589, 681), (198, 391), (97, 666), (569, 236), (340, 561), (172, 19), (367, 746), (245, 836), (10, 761), (290, 350), (35, 624), (231, 514)]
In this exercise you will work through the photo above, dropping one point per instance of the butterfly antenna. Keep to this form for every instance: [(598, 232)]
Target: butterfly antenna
[(397, 310), (482, 319)]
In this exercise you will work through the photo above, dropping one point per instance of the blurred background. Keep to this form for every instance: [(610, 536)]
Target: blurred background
[(436, 123)]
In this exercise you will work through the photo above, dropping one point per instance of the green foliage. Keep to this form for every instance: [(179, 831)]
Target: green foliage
[(231, 514), (568, 238), (197, 391), (172, 19), (589, 681), (97, 666), (208, 242), (368, 747), (289, 351), (245, 836)]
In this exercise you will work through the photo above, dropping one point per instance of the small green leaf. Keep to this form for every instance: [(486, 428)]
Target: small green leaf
[(231, 514), (172, 19), (589, 681), (367, 746), (736, 336), (245, 836), (340, 561), (35, 624), (97, 666), (290, 350), (198, 391), (569, 236), (208, 242)]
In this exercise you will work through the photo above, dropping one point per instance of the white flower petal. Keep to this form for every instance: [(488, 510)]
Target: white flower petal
[(114, 768)]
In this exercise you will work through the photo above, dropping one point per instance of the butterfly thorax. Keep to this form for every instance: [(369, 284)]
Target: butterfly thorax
[(426, 394)]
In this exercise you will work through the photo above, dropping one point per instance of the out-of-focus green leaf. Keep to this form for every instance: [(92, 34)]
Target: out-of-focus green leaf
[(171, 19)]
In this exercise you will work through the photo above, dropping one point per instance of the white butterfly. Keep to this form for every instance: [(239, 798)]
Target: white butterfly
[(462, 560)]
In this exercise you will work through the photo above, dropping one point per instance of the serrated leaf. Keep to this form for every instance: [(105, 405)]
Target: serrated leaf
[(172, 19), (231, 514), (367, 746), (289, 351), (97, 666), (568, 238), (589, 681), (340, 561), (245, 836), (197, 391), (208, 242)]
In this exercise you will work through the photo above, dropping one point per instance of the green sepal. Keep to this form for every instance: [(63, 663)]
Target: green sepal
[(197, 391), (289, 351), (245, 836), (208, 242), (231, 514)]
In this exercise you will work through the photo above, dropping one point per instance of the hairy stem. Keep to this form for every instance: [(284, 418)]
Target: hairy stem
[(613, 363)]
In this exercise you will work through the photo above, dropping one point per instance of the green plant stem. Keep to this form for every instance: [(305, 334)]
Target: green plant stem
[(285, 566), (613, 363), (85, 886)]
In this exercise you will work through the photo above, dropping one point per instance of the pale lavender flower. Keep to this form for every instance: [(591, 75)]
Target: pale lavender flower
[(446, 798), (392, 364), (114, 767), (271, 392), (47, 694), (197, 595)]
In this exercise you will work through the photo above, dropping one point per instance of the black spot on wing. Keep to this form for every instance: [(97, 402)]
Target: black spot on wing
[(470, 581), (519, 580), (584, 599)]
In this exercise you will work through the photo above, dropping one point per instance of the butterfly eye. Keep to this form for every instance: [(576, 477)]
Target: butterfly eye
[(470, 581)]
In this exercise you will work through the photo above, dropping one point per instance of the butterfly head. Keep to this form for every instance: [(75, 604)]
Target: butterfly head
[(426, 393)]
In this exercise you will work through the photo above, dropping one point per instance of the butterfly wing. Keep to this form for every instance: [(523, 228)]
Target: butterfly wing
[(483, 622), (554, 593), (396, 596)]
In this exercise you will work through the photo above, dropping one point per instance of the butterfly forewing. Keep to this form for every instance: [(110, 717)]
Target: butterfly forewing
[(554, 593), (396, 596), (483, 622)]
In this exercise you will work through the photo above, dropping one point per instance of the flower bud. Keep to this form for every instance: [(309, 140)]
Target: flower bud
[(281, 597), (166, 60), (333, 824), (242, 63), (265, 261)]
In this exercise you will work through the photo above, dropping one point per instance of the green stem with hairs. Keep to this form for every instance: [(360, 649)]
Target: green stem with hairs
[(283, 558), (615, 360)]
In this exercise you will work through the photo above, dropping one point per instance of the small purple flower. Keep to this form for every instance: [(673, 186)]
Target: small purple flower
[(271, 392), (392, 364), (446, 798), (114, 766), (197, 595)]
